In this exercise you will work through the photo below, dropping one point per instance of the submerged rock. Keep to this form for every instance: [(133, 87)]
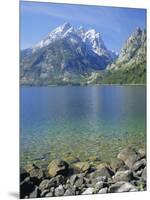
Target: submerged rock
[(70, 159), (142, 153), (94, 158), (117, 164), (104, 170), (129, 156), (58, 167), (82, 166), (29, 167)]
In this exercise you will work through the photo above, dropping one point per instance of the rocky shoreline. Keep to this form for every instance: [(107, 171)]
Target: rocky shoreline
[(126, 173)]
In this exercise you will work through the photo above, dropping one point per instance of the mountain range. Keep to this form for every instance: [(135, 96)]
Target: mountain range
[(69, 55)]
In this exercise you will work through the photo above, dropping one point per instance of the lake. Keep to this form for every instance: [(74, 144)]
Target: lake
[(80, 121)]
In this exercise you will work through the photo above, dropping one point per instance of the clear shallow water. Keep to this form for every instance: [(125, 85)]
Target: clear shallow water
[(80, 121)]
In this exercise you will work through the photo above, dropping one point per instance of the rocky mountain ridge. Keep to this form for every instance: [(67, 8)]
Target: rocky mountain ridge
[(71, 55), (130, 66)]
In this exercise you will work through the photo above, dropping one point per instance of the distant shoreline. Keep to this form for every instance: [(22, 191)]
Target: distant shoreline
[(144, 85)]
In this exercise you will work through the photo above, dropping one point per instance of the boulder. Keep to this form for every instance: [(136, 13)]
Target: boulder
[(50, 194), (117, 164), (103, 190), (88, 191), (142, 153), (58, 167), (122, 176), (72, 179), (138, 173), (60, 179), (45, 184), (139, 164), (104, 170), (129, 156), (79, 182), (37, 173), (144, 174), (29, 167), (69, 192), (97, 176), (102, 165), (59, 191), (82, 166), (122, 187), (99, 185), (35, 193), (44, 192)]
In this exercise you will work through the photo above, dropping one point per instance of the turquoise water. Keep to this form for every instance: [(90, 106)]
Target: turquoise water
[(80, 121)]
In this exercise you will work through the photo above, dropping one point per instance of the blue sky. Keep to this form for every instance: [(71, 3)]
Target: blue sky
[(114, 24)]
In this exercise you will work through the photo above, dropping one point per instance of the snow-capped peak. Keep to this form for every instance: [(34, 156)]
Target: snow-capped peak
[(61, 29), (55, 34), (91, 38)]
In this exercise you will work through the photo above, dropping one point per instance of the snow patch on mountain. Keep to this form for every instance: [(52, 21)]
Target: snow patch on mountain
[(91, 38)]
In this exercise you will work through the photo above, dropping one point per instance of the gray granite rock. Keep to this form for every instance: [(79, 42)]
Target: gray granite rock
[(45, 184), (99, 185), (144, 174), (37, 173), (60, 179), (44, 192), (88, 191), (103, 190), (79, 182), (59, 191), (122, 186), (139, 164), (69, 192), (50, 194), (122, 176), (73, 178)]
